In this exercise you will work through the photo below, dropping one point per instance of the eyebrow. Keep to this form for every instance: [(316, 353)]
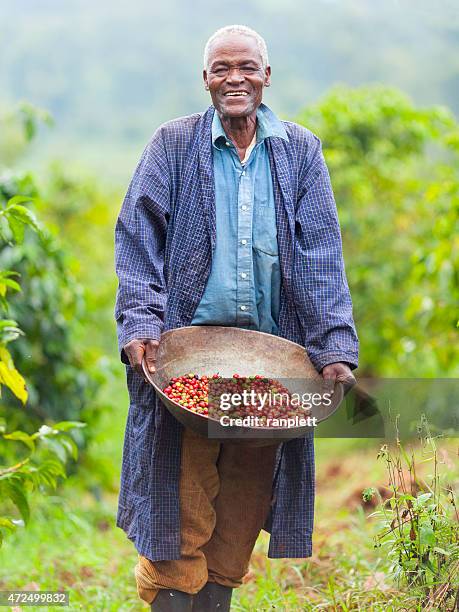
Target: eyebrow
[(217, 63)]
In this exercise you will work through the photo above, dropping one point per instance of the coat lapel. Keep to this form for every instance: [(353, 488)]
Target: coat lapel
[(206, 173), (285, 205)]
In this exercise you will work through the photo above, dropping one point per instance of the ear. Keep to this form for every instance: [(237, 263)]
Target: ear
[(206, 83), (268, 76)]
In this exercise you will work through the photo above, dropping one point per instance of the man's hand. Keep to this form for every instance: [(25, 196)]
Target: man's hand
[(339, 372), (135, 350)]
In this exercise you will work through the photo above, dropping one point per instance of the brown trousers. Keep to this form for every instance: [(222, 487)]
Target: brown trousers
[(225, 496)]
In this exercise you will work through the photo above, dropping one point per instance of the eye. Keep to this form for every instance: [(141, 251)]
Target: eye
[(220, 71), (248, 69)]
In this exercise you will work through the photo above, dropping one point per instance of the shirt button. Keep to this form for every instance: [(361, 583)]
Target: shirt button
[(243, 307), (243, 207), (243, 173), (244, 241), (243, 275), (227, 144)]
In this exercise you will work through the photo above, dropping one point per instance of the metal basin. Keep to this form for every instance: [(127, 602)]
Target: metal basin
[(206, 350)]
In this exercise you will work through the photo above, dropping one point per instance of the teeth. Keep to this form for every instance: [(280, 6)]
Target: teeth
[(236, 93)]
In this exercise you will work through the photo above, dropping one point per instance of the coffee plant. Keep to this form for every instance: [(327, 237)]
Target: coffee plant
[(29, 461)]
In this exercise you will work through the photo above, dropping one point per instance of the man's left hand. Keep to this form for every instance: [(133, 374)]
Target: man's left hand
[(339, 372)]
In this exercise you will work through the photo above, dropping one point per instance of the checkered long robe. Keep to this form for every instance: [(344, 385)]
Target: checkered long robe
[(164, 239)]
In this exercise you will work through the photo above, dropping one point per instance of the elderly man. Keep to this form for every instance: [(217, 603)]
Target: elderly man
[(229, 220)]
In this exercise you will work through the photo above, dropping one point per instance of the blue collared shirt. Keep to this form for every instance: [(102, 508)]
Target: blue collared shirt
[(243, 289)]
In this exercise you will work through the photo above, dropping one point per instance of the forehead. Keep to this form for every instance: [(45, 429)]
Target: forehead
[(234, 47)]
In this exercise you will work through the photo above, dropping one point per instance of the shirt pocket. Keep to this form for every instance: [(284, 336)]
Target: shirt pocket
[(264, 230)]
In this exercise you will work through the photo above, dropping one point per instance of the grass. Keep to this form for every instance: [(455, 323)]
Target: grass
[(71, 543)]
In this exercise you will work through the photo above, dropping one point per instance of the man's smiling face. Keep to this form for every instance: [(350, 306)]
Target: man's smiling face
[(235, 76)]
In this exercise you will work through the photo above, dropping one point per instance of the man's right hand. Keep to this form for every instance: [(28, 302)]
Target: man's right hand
[(137, 348)]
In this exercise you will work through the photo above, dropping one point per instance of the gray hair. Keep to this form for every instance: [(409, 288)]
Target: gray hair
[(238, 29)]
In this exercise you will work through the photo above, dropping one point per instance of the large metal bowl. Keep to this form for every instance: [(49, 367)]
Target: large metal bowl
[(228, 350)]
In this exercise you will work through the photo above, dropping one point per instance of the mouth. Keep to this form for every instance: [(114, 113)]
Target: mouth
[(236, 94)]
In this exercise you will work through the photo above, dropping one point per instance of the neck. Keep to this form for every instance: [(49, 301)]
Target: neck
[(241, 130)]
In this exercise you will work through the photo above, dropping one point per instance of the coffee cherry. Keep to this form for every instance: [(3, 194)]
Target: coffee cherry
[(191, 391)]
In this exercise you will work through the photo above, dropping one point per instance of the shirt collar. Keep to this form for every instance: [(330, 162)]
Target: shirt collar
[(268, 126)]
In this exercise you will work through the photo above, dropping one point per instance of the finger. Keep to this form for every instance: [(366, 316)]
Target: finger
[(138, 350), (128, 349), (151, 349), (328, 379)]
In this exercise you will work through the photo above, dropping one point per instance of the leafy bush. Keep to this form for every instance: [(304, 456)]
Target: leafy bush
[(394, 169), (44, 465), (37, 289), (50, 307), (49, 447)]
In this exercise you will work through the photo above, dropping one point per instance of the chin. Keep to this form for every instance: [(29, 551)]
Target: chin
[(230, 110)]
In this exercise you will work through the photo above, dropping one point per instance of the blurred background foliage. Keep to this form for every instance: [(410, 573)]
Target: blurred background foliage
[(110, 72), (85, 86), (394, 170), (65, 369), (35, 461), (51, 305)]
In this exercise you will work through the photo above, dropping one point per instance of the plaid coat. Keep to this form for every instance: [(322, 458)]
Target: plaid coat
[(164, 239)]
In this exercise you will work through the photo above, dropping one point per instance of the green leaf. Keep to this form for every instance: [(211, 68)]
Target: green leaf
[(10, 377), (9, 273), (5, 522), (428, 563), (427, 535), (6, 281), (19, 199), (17, 496), (9, 282), (66, 425), (21, 436), (421, 499), (4, 227), (17, 228), (7, 323), (9, 333), (56, 448), (70, 446), (22, 214)]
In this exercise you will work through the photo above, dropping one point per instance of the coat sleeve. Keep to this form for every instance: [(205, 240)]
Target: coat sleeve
[(140, 236), (321, 289)]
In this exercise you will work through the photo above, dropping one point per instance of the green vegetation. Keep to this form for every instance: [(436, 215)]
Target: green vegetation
[(49, 448), (72, 544), (394, 172), (420, 525)]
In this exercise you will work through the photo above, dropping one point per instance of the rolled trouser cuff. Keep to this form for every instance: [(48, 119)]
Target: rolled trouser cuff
[(150, 580)]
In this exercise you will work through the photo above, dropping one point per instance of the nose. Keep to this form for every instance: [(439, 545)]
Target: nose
[(234, 76)]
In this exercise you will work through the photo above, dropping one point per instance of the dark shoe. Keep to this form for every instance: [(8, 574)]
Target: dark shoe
[(213, 597), (168, 600)]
